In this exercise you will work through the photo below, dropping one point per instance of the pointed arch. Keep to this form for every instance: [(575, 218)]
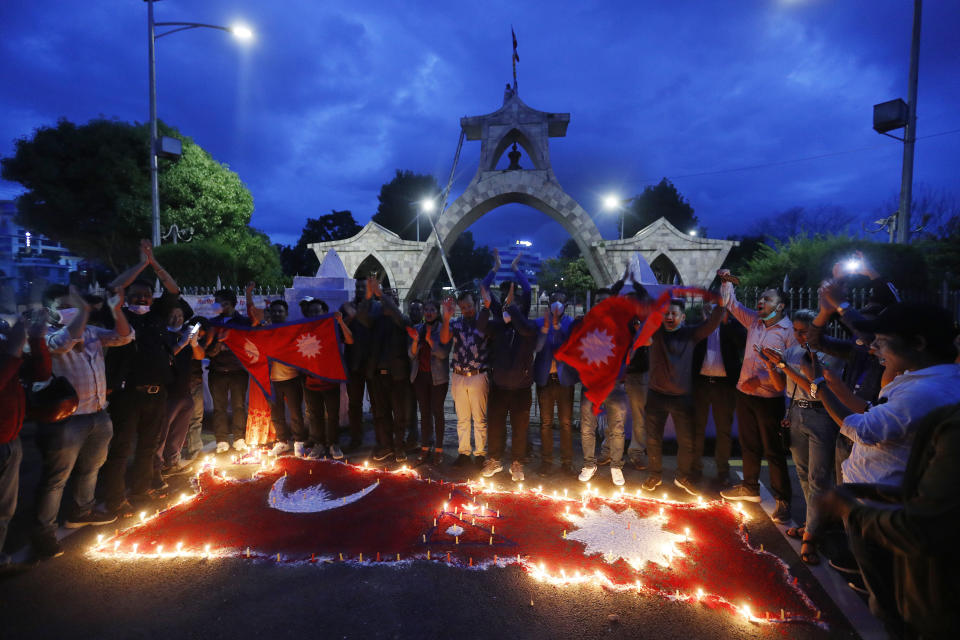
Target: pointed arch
[(518, 136), (374, 265), (665, 270)]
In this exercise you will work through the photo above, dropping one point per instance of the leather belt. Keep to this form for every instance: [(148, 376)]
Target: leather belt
[(714, 379), (808, 404), (149, 389), (469, 372)]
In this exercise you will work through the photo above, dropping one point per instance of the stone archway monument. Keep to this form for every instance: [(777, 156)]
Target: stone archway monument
[(413, 266), (514, 124)]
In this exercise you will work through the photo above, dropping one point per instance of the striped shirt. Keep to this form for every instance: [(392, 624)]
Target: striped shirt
[(80, 361), (779, 336)]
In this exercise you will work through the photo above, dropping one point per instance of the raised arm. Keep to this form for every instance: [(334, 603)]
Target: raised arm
[(704, 329), (728, 299), (447, 311), (146, 250), (344, 329), (255, 314)]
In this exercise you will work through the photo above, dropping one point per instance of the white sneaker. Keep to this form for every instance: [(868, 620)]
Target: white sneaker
[(240, 445), (617, 475), (516, 471), (222, 447), (299, 449), (319, 451), (280, 448), (586, 473), (335, 452)]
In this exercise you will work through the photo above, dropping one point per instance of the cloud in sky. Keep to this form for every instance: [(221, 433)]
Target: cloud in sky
[(331, 98)]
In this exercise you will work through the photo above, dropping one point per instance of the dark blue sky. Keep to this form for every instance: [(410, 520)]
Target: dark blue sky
[(332, 97)]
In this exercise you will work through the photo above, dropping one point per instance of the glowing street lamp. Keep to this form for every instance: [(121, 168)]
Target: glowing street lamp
[(427, 206), (170, 146), (613, 202)]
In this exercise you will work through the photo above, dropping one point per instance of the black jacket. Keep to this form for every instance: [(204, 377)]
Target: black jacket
[(733, 341), (388, 348), (512, 347)]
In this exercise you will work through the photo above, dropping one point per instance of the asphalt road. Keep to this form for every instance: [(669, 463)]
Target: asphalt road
[(76, 596)]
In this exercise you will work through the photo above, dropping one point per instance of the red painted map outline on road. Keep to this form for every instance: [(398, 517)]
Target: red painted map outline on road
[(330, 511)]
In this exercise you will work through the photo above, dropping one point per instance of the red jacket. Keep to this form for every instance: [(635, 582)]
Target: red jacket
[(34, 367)]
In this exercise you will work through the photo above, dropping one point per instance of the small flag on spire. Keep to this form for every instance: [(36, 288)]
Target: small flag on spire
[(516, 57)]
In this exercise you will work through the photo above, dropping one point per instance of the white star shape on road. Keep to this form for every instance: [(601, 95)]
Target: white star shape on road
[(605, 533), (597, 347)]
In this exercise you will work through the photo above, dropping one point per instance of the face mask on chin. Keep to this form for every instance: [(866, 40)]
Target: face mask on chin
[(174, 329), (67, 315), (216, 308), (139, 309)]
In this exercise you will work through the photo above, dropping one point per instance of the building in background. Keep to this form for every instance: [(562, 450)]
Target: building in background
[(529, 261), (28, 257)]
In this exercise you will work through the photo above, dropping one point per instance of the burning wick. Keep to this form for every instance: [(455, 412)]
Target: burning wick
[(159, 549), (135, 545), (143, 516), (179, 546)]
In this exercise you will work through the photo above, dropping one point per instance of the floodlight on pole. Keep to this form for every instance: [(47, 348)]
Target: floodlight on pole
[(239, 31)]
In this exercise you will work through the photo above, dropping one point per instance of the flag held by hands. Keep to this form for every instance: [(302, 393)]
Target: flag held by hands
[(311, 345)]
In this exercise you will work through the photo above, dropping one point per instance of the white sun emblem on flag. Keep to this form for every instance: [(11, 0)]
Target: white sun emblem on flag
[(308, 345), (626, 535), (597, 347)]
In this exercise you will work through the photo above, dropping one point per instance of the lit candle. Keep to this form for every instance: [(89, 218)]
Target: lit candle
[(686, 534), (206, 549), (159, 549), (115, 546), (564, 493), (99, 538), (699, 593), (179, 546), (135, 547), (143, 516), (661, 511)]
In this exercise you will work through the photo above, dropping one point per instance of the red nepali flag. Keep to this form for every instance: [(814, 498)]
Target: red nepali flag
[(311, 345), (598, 347), (298, 510)]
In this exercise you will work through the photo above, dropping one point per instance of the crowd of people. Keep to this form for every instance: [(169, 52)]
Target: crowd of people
[(866, 420)]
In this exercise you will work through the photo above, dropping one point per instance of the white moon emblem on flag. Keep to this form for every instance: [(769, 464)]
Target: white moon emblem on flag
[(251, 350), (309, 346), (596, 347), (310, 500)]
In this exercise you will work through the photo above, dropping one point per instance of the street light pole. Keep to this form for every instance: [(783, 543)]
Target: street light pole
[(154, 169), (909, 132), (241, 32)]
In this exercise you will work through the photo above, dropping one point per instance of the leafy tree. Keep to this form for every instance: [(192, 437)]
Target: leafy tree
[(808, 260), (466, 261), (570, 250), (96, 176), (300, 258), (400, 204), (662, 200), (236, 257), (570, 275)]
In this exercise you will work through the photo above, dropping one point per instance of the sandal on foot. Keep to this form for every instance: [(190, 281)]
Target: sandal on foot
[(808, 552), (796, 532)]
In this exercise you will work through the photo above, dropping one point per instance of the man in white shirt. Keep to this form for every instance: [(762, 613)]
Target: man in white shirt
[(914, 342)]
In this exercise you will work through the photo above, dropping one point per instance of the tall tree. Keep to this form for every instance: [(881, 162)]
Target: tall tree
[(570, 250), (801, 222), (662, 200), (401, 201), (299, 259), (96, 177)]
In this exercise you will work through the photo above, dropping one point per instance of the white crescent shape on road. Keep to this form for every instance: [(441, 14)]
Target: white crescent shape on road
[(310, 500)]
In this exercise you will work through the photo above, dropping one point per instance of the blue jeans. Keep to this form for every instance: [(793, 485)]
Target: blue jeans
[(79, 445), (194, 441), (174, 430), (813, 436), (616, 408), (637, 385), (11, 453)]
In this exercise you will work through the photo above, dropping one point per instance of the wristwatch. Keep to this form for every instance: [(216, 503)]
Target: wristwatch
[(815, 386), (842, 307)]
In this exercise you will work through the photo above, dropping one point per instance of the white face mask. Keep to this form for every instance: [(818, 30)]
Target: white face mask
[(67, 315), (139, 309), (216, 308), (506, 317), (175, 329), (557, 308)]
